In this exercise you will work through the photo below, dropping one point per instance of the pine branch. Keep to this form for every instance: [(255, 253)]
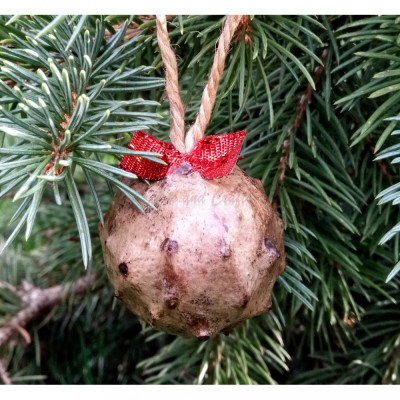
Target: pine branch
[(5, 377), (37, 301), (382, 166), (134, 27), (68, 106), (306, 98)]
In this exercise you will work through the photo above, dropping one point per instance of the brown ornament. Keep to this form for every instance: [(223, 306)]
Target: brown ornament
[(206, 259)]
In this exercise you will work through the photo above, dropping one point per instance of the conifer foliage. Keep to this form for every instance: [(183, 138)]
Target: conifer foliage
[(319, 97)]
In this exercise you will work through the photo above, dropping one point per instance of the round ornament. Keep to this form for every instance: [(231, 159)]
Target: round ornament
[(207, 255)]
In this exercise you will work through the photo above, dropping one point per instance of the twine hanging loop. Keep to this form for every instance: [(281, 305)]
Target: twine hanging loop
[(177, 131), (197, 130)]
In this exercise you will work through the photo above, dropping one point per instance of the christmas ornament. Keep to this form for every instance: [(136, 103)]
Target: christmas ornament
[(208, 255)]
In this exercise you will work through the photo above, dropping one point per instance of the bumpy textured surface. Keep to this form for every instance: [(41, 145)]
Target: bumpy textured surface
[(201, 263), (213, 156)]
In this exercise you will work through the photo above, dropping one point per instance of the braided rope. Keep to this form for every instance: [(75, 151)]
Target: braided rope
[(177, 131), (196, 131)]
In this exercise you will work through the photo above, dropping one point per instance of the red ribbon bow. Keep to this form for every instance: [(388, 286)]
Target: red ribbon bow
[(213, 156)]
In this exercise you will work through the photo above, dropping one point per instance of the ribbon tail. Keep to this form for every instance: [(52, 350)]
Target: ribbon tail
[(216, 155), (143, 167)]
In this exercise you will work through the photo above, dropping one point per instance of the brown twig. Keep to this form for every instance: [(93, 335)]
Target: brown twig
[(131, 31), (57, 155), (4, 374), (36, 301), (244, 23), (301, 107), (133, 28), (10, 83), (382, 166)]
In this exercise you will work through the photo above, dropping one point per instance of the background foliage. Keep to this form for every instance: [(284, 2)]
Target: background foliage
[(319, 98)]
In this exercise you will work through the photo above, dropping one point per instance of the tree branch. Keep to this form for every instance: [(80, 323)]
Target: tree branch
[(301, 107), (37, 301), (4, 374), (382, 166)]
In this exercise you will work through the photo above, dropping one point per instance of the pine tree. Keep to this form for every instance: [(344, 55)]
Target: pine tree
[(319, 98)]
